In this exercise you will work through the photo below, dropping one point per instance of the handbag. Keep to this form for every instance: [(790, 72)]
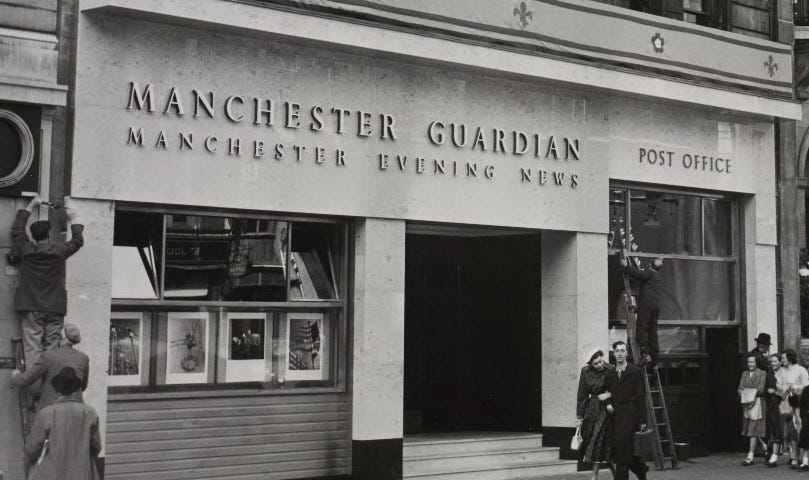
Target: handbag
[(748, 395), (643, 444), (576, 441), (753, 412)]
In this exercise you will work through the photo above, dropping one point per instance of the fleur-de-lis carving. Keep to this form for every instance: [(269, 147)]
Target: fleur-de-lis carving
[(524, 14), (772, 67)]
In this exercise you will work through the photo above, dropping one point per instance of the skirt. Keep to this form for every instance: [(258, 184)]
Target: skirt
[(788, 428), (596, 431), (754, 428), (775, 427)]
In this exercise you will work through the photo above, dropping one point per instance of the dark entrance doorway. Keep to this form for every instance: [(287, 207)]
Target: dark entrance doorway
[(472, 331)]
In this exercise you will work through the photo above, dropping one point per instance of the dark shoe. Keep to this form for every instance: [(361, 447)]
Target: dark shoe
[(793, 464), (645, 471), (747, 462), (772, 464)]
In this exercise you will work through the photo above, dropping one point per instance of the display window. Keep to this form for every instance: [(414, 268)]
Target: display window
[(204, 300)]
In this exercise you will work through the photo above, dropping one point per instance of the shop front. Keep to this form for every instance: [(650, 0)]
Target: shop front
[(297, 256)]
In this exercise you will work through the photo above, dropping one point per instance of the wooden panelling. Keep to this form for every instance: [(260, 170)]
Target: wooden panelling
[(750, 18), (36, 15), (283, 436)]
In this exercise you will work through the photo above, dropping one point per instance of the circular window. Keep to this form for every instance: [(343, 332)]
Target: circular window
[(16, 148)]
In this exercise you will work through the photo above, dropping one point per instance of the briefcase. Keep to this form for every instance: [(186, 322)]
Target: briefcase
[(643, 444)]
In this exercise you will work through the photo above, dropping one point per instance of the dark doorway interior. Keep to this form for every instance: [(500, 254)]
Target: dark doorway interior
[(723, 412), (472, 333)]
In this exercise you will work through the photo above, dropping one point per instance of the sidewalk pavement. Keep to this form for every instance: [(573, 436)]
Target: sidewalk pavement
[(724, 466)]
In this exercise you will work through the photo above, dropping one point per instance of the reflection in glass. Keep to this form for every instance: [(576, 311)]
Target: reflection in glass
[(693, 290), (666, 223), (312, 266), (136, 255), (717, 227), (221, 258)]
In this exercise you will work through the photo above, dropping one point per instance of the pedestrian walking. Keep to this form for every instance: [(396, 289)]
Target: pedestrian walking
[(51, 362), (64, 440), (628, 406), (41, 297), (751, 391), (803, 436), (773, 397), (591, 412), (793, 378), (650, 291)]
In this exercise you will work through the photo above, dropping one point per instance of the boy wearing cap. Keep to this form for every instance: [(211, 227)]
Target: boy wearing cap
[(41, 297), (51, 362)]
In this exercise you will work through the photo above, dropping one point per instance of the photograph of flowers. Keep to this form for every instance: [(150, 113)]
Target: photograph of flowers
[(126, 348), (187, 347)]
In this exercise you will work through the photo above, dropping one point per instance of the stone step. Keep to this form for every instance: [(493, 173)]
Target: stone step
[(531, 471), (459, 446), (476, 461)]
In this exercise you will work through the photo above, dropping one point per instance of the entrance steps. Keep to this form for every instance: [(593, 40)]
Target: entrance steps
[(481, 456)]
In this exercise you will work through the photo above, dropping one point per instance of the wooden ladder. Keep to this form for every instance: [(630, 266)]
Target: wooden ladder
[(26, 402), (657, 414)]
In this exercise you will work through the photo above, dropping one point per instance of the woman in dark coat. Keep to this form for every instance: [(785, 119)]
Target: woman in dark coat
[(591, 412), (803, 437), (773, 398)]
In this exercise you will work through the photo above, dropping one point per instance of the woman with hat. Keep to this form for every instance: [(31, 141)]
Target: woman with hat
[(64, 440), (591, 412)]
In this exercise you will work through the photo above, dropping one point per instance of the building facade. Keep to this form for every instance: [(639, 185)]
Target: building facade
[(318, 231)]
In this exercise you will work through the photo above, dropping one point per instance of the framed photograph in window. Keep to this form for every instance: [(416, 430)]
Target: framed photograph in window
[(306, 347), (187, 347), (125, 362), (245, 347)]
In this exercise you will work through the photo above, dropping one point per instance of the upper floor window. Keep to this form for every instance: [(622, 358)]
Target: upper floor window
[(747, 17)]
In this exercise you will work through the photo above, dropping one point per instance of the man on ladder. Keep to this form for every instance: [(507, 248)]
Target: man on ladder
[(648, 310)]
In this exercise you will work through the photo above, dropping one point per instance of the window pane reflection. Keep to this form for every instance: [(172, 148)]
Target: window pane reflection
[(717, 227), (666, 223), (312, 266), (136, 255), (221, 258)]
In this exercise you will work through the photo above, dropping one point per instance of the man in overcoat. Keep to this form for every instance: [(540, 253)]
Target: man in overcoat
[(50, 363), (628, 406)]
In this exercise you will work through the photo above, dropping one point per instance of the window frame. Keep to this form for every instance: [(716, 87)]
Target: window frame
[(735, 243), (334, 310)]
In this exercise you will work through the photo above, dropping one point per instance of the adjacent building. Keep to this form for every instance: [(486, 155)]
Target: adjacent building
[(343, 238)]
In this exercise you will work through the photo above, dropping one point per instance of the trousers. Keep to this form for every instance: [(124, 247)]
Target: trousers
[(638, 467), (40, 331)]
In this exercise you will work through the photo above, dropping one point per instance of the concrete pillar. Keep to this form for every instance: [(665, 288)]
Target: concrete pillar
[(378, 360), (88, 298), (574, 321)]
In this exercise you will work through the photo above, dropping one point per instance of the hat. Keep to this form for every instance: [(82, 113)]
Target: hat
[(66, 381), (591, 354), (764, 339), (72, 333), (40, 229)]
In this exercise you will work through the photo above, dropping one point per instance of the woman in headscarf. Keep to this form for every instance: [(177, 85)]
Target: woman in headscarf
[(591, 412), (64, 440)]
